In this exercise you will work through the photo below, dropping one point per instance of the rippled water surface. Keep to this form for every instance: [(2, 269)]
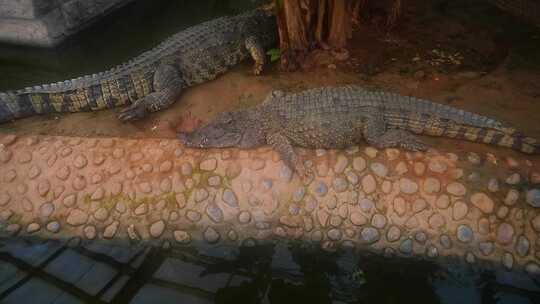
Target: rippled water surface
[(272, 273)]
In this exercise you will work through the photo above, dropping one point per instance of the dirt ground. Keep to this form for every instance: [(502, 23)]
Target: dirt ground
[(467, 55)]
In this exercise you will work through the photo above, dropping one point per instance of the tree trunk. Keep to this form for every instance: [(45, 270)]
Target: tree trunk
[(320, 30), (394, 14), (340, 19), (307, 23), (304, 24), (296, 27)]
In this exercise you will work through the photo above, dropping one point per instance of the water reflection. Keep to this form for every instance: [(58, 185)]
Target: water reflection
[(271, 273)]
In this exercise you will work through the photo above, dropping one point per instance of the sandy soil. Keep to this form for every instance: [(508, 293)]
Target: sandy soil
[(487, 65)]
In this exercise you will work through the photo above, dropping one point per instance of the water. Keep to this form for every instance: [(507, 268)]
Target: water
[(280, 272), (119, 37)]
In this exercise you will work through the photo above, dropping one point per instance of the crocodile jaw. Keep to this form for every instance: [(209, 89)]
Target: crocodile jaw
[(198, 139)]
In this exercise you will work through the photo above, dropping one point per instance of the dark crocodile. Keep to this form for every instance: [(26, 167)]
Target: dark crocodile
[(528, 10), (153, 80), (340, 117)]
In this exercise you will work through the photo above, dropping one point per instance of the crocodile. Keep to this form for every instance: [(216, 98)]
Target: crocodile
[(153, 80), (338, 117)]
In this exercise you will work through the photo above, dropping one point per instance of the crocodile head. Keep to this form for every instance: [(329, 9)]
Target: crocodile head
[(229, 129)]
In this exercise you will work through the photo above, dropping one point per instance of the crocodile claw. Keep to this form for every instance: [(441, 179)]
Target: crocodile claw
[(305, 175), (415, 145), (257, 70), (133, 112)]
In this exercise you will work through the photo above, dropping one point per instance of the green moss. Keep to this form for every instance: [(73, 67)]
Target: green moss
[(110, 202), (87, 199), (170, 198), (226, 182), (204, 175), (14, 219)]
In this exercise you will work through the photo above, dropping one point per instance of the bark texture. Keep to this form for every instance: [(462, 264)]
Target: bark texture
[(307, 24)]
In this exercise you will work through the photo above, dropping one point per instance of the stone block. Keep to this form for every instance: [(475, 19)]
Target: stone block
[(46, 23), (155, 294), (9, 276), (39, 290), (183, 273), (112, 291), (17, 9), (30, 253), (122, 254), (85, 273)]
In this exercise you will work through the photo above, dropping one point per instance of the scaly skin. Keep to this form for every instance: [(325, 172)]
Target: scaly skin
[(339, 117), (429, 205), (154, 80)]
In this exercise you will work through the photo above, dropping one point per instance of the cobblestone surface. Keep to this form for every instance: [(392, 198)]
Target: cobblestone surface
[(60, 188)]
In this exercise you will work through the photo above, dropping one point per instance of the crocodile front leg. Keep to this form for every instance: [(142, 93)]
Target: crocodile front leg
[(168, 84), (283, 146), (376, 134), (257, 53)]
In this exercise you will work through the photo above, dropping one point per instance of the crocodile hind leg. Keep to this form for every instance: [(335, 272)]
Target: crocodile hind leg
[(376, 134), (168, 84), (257, 53)]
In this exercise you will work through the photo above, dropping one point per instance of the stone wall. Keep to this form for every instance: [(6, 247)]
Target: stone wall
[(480, 208), (48, 22)]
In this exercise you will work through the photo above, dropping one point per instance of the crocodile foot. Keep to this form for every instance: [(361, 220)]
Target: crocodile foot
[(258, 69), (133, 112), (305, 175)]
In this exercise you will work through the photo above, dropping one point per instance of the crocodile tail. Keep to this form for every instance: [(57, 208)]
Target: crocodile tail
[(519, 142), (6, 109), (513, 140), (25, 103), (508, 138), (472, 129), (72, 96)]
